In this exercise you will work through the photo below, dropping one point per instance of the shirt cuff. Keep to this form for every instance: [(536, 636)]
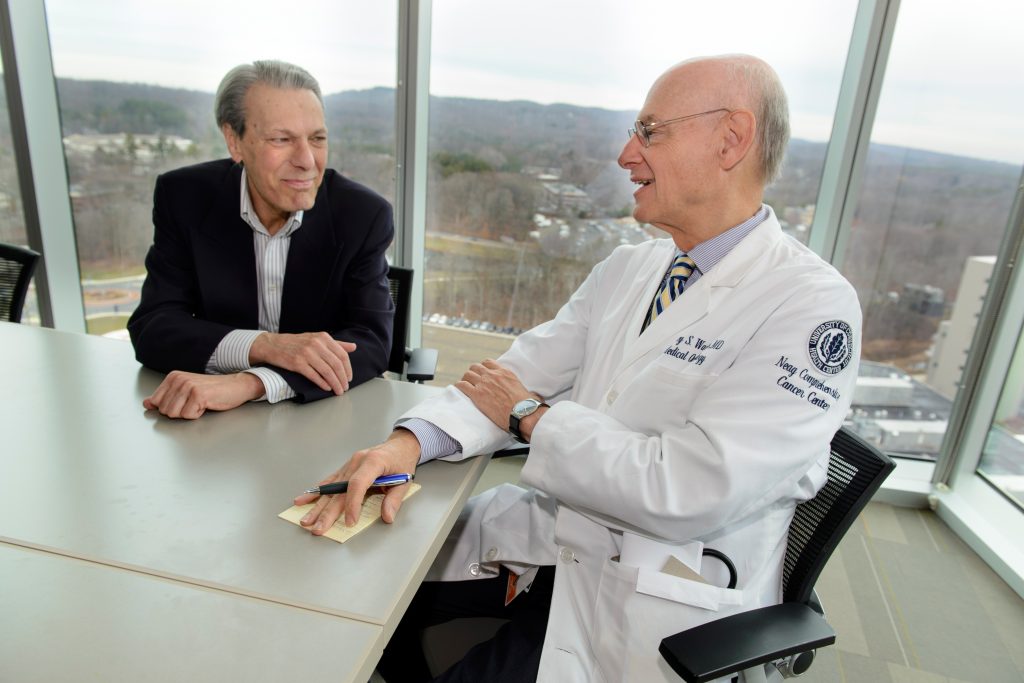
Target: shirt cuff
[(232, 353), (275, 386), (434, 442)]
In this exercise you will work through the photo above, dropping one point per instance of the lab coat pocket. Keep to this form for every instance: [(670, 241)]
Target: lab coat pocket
[(686, 591), (681, 374), (660, 399), (637, 607)]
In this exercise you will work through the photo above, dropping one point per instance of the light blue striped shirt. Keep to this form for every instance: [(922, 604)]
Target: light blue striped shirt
[(706, 255), (436, 443), (232, 353)]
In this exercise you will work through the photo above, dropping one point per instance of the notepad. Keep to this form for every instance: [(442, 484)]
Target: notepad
[(369, 514)]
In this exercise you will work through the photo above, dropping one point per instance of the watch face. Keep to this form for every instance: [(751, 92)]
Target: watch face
[(525, 407)]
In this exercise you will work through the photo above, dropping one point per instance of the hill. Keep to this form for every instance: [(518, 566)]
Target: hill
[(923, 207)]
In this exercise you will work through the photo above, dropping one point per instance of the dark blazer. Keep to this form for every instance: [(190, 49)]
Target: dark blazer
[(201, 273)]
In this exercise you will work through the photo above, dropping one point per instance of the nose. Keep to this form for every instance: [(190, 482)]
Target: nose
[(630, 154), (302, 156)]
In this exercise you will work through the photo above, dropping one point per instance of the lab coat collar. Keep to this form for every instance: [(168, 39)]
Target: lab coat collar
[(694, 302)]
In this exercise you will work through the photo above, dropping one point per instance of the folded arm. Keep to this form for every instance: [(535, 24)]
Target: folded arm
[(357, 347)]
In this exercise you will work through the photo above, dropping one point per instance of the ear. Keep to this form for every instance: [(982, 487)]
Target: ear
[(740, 127), (233, 141)]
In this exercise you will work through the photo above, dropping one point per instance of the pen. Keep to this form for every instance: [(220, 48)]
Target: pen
[(342, 486)]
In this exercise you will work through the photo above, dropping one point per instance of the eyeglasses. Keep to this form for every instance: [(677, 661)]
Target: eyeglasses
[(643, 130)]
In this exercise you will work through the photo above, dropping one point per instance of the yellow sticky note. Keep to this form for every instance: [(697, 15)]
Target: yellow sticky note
[(369, 514)]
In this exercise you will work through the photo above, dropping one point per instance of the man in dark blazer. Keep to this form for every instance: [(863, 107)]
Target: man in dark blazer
[(267, 276)]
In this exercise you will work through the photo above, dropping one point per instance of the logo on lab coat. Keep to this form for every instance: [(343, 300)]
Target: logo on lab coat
[(831, 346)]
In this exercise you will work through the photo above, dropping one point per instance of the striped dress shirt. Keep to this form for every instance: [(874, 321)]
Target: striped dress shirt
[(707, 254), (232, 353)]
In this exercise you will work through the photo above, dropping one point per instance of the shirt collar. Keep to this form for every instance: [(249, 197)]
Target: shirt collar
[(249, 215), (708, 253)]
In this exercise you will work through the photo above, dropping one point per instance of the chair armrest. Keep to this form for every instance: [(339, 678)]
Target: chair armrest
[(740, 641), (421, 364)]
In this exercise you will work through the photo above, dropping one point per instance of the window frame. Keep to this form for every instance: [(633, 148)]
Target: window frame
[(42, 171)]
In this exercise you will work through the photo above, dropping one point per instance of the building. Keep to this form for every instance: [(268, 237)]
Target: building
[(953, 340)]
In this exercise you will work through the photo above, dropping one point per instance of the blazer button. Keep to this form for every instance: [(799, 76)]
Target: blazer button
[(492, 555), (474, 569), (566, 555)]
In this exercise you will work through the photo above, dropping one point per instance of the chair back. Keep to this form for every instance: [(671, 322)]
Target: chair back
[(400, 285), (17, 265), (855, 471)]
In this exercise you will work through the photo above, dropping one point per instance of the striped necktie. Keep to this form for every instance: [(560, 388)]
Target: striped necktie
[(672, 287)]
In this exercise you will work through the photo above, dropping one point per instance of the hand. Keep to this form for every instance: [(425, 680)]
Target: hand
[(494, 390), (399, 454), (317, 356), (189, 395)]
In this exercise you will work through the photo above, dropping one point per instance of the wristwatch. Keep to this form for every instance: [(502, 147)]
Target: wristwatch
[(528, 406)]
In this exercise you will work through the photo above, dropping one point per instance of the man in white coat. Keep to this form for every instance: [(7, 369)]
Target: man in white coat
[(683, 399)]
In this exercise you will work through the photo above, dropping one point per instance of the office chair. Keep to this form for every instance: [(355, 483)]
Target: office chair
[(16, 267), (788, 634), (416, 365)]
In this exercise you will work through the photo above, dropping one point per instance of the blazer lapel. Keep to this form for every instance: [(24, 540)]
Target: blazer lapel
[(312, 258), (227, 258), (649, 278)]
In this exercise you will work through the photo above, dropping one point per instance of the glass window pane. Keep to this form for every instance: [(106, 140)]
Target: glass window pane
[(1002, 461), (12, 216), (529, 110), (136, 83), (942, 169)]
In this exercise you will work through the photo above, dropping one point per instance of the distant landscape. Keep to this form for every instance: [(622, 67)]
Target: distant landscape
[(540, 180)]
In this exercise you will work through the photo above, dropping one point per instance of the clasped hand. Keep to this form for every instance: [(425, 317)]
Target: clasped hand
[(188, 394), (493, 389), (317, 356)]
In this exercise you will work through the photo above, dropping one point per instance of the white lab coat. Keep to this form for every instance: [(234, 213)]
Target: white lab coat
[(706, 430)]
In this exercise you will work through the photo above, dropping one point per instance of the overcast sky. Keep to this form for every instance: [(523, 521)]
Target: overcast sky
[(954, 84)]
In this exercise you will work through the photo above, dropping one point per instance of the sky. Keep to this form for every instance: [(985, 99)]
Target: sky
[(954, 81)]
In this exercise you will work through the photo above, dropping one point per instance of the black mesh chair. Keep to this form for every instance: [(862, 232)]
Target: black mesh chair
[(17, 265), (788, 634), (415, 365)]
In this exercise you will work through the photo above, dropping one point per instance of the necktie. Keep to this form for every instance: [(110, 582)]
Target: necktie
[(672, 287)]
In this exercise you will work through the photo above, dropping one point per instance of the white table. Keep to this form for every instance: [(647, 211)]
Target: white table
[(69, 620), (86, 473)]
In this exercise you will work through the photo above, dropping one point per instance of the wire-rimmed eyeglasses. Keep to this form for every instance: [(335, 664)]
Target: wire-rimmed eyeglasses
[(643, 130)]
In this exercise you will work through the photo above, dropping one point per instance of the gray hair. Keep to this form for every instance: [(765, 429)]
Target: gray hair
[(229, 105), (768, 98)]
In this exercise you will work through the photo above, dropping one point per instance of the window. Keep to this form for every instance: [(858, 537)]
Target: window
[(12, 217), (1002, 460), (136, 84), (941, 173), (529, 110)]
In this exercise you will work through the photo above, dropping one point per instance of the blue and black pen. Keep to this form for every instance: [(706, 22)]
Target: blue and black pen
[(342, 486)]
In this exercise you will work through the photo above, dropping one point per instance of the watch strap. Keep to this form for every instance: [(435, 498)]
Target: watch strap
[(514, 420)]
